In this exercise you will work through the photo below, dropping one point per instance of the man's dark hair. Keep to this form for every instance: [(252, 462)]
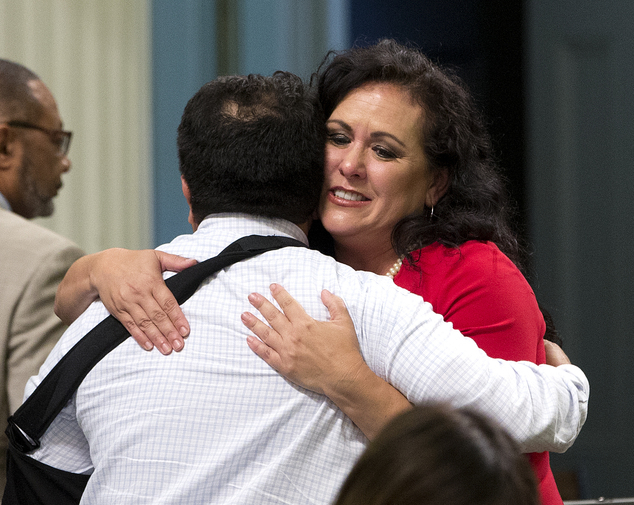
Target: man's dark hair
[(16, 98), (255, 145)]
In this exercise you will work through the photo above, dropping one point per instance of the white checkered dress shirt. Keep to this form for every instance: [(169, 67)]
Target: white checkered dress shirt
[(215, 424)]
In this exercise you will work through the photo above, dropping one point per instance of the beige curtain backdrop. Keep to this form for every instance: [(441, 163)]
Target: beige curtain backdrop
[(95, 56)]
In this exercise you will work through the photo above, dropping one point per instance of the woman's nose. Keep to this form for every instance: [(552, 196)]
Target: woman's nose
[(353, 164)]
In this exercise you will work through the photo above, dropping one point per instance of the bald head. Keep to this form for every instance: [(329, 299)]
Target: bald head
[(16, 97)]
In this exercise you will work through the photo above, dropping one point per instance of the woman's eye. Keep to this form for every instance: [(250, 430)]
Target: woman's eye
[(338, 139), (384, 153)]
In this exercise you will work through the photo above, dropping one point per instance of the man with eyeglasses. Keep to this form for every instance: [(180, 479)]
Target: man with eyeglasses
[(33, 260)]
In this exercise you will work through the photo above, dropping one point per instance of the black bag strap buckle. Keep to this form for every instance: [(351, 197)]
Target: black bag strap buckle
[(19, 438)]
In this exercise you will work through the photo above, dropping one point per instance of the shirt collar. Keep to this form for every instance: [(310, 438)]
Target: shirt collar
[(245, 224), (4, 203)]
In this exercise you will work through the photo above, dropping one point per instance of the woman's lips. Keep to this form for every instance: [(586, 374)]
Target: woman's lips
[(343, 196)]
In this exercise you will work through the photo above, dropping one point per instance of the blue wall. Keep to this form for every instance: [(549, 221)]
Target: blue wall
[(183, 60), (272, 35)]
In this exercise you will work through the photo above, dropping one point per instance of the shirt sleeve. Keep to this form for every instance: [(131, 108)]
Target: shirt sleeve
[(425, 358)]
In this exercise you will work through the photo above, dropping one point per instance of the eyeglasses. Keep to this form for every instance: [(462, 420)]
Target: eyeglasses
[(60, 138)]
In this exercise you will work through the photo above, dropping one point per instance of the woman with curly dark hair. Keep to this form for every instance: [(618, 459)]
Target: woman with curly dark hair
[(457, 147), (412, 191)]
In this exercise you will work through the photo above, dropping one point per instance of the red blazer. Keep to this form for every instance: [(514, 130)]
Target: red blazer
[(486, 297)]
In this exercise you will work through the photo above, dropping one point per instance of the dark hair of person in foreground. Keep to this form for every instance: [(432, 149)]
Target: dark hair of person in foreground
[(434, 454)]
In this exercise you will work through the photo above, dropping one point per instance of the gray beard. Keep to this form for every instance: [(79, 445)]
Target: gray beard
[(36, 204)]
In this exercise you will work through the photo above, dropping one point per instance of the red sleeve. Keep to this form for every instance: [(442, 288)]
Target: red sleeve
[(483, 294)]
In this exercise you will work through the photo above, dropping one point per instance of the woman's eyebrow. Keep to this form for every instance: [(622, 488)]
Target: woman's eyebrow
[(380, 134), (342, 124)]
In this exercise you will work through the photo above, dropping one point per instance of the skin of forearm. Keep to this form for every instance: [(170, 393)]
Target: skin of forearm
[(367, 400), (76, 292)]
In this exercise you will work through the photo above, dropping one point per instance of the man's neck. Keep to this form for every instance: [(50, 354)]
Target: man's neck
[(305, 227), (195, 224)]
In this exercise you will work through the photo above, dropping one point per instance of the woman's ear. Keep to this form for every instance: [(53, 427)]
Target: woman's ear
[(438, 188)]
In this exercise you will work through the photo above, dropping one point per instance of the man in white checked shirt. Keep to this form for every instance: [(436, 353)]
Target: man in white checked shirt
[(214, 423)]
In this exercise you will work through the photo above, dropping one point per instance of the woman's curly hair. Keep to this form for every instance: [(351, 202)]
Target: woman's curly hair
[(476, 204)]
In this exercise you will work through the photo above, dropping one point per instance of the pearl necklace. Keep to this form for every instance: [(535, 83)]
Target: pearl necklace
[(391, 273)]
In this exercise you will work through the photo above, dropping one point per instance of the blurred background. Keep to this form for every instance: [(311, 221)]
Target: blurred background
[(555, 79)]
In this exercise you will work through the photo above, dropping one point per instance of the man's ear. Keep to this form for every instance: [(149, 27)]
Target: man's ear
[(10, 162), (186, 192), (188, 197), (438, 188), (8, 147)]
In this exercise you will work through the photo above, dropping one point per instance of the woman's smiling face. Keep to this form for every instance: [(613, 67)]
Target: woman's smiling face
[(376, 172)]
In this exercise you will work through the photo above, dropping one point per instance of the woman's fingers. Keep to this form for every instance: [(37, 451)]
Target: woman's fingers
[(133, 290), (264, 332), (172, 262), (336, 307), (264, 345), (278, 320), (169, 317), (141, 318), (291, 307), (313, 354)]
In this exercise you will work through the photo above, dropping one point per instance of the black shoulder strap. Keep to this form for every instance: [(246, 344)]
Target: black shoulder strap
[(35, 415)]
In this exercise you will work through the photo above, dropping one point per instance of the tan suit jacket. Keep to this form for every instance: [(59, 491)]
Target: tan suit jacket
[(33, 261)]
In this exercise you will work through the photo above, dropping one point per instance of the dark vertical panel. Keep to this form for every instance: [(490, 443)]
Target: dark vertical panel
[(500, 30), (580, 130), (228, 36), (443, 28), (583, 124)]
